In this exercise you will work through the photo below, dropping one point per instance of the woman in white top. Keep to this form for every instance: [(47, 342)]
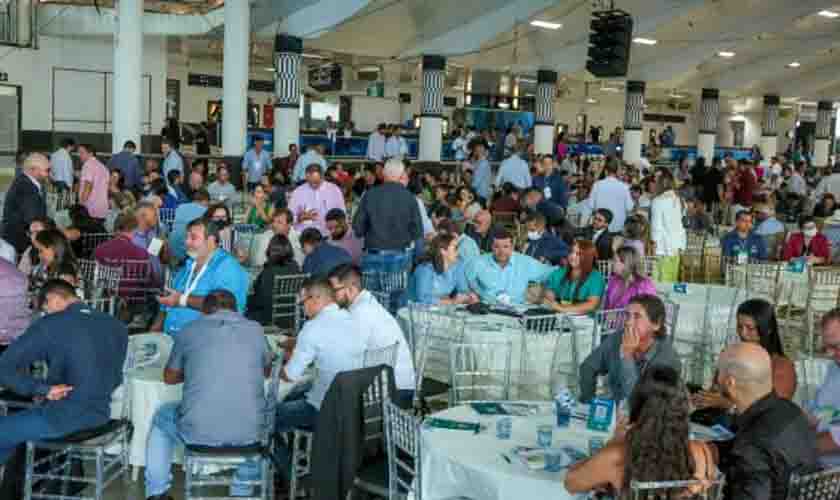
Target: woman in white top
[(666, 227)]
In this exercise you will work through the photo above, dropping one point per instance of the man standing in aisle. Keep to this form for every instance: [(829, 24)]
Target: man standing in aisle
[(126, 162), (313, 155), (515, 170), (388, 219), (255, 163), (171, 159), (614, 195), (61, 165), (395, 146), (483, 177), (376, 144), (25, 201), (93, 191)]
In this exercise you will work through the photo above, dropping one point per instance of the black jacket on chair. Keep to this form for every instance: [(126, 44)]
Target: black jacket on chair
[(23, 203), (604, 243), (338, 445), (773, 439)]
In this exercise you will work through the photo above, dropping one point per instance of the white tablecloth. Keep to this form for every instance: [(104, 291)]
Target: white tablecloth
[(460, 463), (540, 351)]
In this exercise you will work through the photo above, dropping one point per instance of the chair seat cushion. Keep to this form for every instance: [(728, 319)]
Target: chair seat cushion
[(235, 450), (88, 434)]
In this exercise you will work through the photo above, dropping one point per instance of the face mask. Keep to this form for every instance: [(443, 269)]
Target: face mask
[(810, 233), (534, 235)]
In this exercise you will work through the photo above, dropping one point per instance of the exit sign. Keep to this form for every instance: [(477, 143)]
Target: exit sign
[(4, 77)]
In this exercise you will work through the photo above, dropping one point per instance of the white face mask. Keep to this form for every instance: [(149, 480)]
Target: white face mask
[(534, 235), (810, 233)]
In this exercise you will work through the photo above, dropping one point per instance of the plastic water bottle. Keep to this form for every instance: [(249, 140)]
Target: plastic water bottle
[(564, 404)]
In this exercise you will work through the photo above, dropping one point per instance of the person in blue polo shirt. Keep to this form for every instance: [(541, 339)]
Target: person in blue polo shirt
[(321, 257), (742, 243), (85, 350), (208, 267), (544, 246)]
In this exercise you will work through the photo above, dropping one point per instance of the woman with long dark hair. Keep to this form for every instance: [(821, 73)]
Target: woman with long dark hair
[(576, 288), (439, 274), (280, 261), (56, 261), (757, 324), (653, 445)]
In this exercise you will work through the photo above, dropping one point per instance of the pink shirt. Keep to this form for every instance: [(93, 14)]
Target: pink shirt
[(618, 296), (97, 175), (324, 199)]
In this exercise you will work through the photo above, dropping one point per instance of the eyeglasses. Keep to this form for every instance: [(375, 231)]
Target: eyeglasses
[(303, 299)]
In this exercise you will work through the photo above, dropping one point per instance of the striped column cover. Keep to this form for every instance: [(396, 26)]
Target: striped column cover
[(546, 89), (770, 122), (634, 105), (434, 77), (709, 109), (825, 109), (287, 65)]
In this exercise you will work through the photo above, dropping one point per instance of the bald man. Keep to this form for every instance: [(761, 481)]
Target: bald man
[(25, 200), (773, 437), (825, 407)]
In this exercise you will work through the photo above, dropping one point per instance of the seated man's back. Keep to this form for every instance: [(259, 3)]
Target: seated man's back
[(222, 356)]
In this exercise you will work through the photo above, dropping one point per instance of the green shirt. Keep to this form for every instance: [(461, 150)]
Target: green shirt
[(564, 289)]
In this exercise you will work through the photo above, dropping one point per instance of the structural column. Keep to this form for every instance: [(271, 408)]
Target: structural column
[(235, 80), (431, 115), (707, 132), (822, 141), (287, 62), (128, 66), (769, 126), (634, 106), (544, 112)]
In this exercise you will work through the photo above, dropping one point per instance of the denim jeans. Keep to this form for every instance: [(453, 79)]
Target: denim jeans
[(28, 425), (388, 261)]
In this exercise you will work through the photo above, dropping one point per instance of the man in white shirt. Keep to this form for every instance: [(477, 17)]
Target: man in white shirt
[(515, 170), (459, 146), (376, 144), (395, 146), (830, 184), (61, 164), (314, 154), (775, 168), (614, 195), (379, 329), (281, 223), (222, 189), (796, 183)]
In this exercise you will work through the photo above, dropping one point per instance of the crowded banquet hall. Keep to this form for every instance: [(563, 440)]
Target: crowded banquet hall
[(476, 250)]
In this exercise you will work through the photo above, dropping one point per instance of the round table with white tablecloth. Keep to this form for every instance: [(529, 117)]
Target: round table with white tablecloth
[(458, 463), (542, 352), (148, 392)]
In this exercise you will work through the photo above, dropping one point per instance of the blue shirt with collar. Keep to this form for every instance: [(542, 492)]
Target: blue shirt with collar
[(85, 349), (324, 259), (489, 280), (467, 249), (127, 163), (769, 227), (222, 272), (550, 247), (427, 286), (516, 171), (173, 161), (256, 164), (483, 180), (732, 245), (184, 214)]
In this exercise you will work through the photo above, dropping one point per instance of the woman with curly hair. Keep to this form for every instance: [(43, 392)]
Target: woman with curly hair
[(652, 445)]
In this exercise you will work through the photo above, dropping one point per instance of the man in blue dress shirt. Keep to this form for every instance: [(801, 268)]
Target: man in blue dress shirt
[(208, 268), (483, 176), (742, 243), (171, 159), (503, 276), (185, 214), (515, 170), (126, 162), (255, 163)]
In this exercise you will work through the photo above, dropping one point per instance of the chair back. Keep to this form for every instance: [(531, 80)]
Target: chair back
[(823, 485), (479, 372), (433, 332), (373, 420), (107, 305), (604, 267), (284, 309), (672, 316), (762, 280), (167, 219), (89, 242), (824, 292), (649, 264), (692, 265), (539, 334), (383, 356), (696, 239), (99, 280), (810, 374), (402, 432), (606, 322), (695, 490), (385, 281), (272, 399)]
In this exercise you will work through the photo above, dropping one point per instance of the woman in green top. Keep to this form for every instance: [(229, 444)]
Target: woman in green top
[(261, 209), (576, 288)]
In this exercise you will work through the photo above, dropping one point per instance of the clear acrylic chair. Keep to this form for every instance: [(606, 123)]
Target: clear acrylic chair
[(89, 242), (538, 334), (433, 330), (372, 476), (285, 311), (692, 265), (672, 316), (196, 457), (810, 374), (383, 356), (823, 485), (479, 372), (604, 267), (649, 264), (402, 432), (693, 490), (607, 322), (167, 219), (389, 285), (762, 281)]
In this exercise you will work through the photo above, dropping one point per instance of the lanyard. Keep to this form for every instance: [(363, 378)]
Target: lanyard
[(192, 283)]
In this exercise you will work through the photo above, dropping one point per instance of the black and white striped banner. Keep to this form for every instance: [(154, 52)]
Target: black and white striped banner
[(770, 121), (709, 110), (825, 110), (634, 105)]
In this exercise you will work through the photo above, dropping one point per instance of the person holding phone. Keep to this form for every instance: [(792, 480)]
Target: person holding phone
[(312, 200)]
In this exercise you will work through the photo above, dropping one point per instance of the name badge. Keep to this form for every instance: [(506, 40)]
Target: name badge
[(681, 288), (547, 193), (600, 416)]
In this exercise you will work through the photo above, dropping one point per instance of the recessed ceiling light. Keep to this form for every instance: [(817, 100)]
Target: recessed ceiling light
[(546, 24), (726, 53), (591, 100), (269, 69), (828, 13), (794, 64), (645, 41), (310, 55)]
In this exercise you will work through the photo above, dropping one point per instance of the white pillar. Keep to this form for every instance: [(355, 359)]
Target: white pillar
[(287, 64), (126, 106), (822, 141), (707, 131), (431, 117), (235, 77), (544, 112), (769, 127), (634, 106), (25, 11)]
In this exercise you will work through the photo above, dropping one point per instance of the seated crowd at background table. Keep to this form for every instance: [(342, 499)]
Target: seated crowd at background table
[(458, 236)]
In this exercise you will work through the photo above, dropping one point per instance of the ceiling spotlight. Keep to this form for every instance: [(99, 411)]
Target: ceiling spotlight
[(828, 13), (591, 100), (546, 25), (726, 53), (794, 64), (269, 69), (645, 41)]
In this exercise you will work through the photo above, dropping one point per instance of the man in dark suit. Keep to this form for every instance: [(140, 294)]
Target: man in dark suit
[(599, 233), (25, 200)]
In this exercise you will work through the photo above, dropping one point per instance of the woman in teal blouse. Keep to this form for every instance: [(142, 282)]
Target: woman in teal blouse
[(576, 288)]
